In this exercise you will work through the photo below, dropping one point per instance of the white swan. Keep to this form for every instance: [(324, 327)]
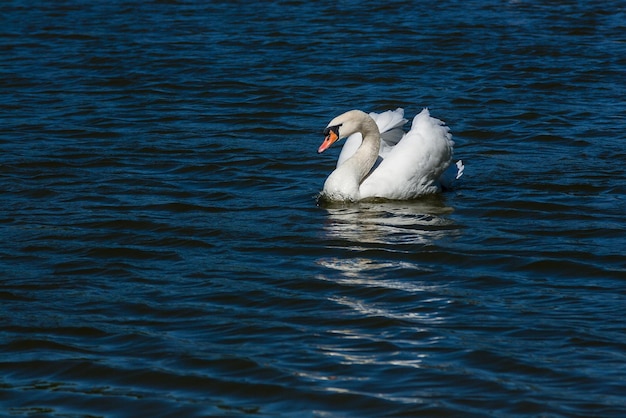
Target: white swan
[(379, 160)]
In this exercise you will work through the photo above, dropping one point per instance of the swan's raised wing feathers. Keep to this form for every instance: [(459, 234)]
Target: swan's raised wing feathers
[(389, 119), (414, 165)]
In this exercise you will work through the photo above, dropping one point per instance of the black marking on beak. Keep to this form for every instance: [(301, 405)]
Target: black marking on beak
[(334, 129)]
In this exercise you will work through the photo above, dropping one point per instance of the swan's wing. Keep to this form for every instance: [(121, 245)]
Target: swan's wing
[(389, 120), (388, 140), (414, 165), (390, 126)]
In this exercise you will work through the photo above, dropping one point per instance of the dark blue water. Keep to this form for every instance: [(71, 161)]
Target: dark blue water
[(163, 252)]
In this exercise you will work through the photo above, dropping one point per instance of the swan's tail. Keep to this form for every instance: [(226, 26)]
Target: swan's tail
[(451, 175), (459, 169)]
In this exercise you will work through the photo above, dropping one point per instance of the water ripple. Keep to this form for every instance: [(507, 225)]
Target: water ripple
[(164, 250)]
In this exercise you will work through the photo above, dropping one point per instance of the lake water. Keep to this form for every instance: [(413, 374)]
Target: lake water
[(164, 255)]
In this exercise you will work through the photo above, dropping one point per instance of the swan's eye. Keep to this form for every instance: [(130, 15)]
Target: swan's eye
[(333, 129)]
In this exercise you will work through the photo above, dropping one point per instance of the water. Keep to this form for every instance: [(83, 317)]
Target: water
[(163, 252)]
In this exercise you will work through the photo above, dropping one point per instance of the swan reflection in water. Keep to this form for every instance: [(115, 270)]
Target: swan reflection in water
[(370, 239), (375, 253), (391, 223)]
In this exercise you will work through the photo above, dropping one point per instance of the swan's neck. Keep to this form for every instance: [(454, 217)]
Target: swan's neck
[(365, 156), (344, 182)]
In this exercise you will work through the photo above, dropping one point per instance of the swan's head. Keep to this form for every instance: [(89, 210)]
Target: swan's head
[(344, 125)]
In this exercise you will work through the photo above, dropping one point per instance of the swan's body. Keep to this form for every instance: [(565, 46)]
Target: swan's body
[(379, 160)]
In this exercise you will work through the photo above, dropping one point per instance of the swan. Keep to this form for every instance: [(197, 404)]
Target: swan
[(379, 160)]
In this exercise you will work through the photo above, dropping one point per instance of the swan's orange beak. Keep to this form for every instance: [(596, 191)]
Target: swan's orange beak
[(332, 135)]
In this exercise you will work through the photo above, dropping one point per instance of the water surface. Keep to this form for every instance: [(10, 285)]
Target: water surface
[(164, 253)]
